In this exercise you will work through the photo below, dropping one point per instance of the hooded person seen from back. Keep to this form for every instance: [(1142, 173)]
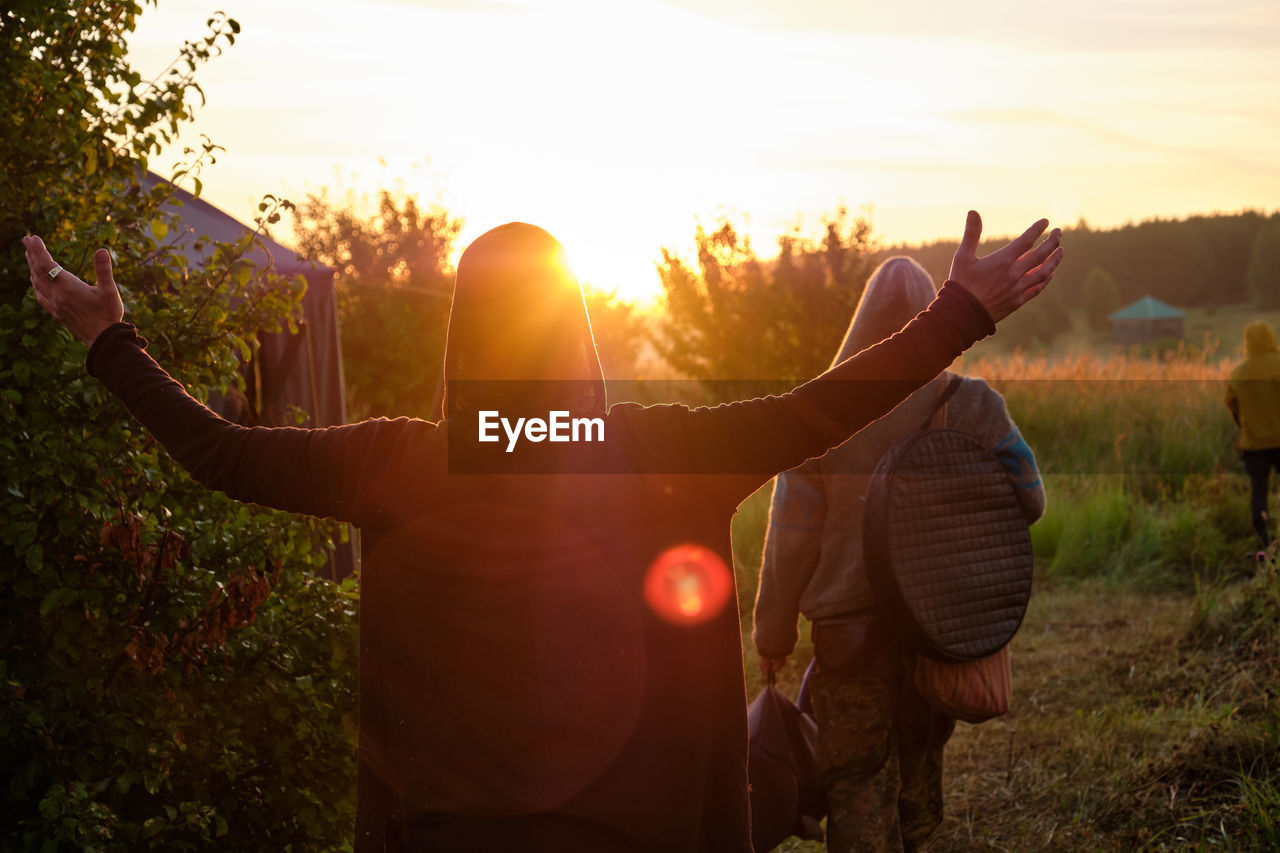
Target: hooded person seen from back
[(881, 743), (1253, 396), (1253, 391)]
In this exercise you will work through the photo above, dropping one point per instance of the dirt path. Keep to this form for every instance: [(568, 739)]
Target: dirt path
[(1125, 734)]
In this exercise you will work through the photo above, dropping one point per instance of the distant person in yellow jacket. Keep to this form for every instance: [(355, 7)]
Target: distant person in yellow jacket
[(1253, 396)]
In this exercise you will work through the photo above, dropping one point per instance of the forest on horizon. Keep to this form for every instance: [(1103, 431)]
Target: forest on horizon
[(1200, 261), (731, 312)]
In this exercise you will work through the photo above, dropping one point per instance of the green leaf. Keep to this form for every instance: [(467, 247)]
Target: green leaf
[(56, 599), (51, 805), (159, 229)]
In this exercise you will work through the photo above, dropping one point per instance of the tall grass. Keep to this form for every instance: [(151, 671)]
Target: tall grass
[(1153, 422), (1139, 461), (1262, 809), (1137, 453), (1098, 527)]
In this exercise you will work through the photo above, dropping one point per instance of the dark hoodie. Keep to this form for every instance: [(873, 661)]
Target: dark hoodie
[(518, 690)]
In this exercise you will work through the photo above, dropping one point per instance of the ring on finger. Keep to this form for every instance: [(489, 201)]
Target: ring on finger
[(53, 273)]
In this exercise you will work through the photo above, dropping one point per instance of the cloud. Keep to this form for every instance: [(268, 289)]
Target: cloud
[(1217, 156), (1082, 26)]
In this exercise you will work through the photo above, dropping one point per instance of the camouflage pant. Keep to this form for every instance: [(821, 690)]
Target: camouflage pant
[(881, 750)]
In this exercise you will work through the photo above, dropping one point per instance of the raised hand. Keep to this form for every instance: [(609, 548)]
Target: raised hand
[(1005, 279), (84, 309)]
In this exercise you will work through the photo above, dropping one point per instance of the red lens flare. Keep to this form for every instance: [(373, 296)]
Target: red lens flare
[(688, 584)]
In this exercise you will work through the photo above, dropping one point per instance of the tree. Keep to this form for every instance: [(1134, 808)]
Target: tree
[(395, 285), (172, 676), (1264, 266), (618, 332), (736, 320), (1100, 294)]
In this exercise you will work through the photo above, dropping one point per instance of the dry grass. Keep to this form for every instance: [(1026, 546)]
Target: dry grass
[(1125, 733), (1187, 363)]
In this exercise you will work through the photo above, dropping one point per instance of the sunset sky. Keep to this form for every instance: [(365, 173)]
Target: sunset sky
[(621, 125)]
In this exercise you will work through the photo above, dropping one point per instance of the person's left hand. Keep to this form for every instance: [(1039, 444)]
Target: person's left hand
[(84, 309)]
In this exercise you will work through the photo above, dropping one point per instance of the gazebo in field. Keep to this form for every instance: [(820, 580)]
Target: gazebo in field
[(1148, 319), (298, 372)]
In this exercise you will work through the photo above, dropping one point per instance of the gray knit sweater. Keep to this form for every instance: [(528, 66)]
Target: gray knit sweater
[(813, 547)]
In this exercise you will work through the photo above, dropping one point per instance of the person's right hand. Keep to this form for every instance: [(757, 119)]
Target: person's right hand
[(84, 309), (1008, 277)]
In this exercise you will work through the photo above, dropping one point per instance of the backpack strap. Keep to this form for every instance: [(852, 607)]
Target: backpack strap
[(952, 386)]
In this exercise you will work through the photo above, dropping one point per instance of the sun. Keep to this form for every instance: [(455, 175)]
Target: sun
[(605, 266)]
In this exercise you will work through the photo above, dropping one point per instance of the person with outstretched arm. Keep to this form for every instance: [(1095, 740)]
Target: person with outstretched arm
[(550, 656)]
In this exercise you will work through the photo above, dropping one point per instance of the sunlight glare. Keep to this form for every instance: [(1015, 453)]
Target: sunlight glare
[(688, 585)]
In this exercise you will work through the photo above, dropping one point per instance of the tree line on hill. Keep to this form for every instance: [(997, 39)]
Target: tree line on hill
[(1197, 262)]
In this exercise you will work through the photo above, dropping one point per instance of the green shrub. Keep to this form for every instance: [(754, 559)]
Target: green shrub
[(172, 676), (1098, 528)]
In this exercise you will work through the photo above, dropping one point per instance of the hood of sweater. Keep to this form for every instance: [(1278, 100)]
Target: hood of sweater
[(897, 291), (519, 338), (1259, 339)]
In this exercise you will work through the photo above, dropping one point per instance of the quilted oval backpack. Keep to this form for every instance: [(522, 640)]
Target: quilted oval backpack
[(948, 553)]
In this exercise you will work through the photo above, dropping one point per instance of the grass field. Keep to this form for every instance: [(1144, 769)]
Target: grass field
[(1146, 712)]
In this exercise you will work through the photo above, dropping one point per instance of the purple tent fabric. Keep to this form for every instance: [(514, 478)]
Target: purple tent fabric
[(302, 370)]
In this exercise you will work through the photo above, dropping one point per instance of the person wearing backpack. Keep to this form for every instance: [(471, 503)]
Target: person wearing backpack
[(881, 743)]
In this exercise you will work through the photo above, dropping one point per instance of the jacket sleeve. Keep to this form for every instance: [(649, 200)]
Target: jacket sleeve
[(320, 472), (755, 439), (995, 429), (792, 545)]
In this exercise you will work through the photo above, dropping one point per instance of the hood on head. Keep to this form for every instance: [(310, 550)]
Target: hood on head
[(1260, 339), (519, 323), (897, 291)]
